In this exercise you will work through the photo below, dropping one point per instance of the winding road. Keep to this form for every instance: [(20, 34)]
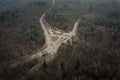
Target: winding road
[(52, 45)]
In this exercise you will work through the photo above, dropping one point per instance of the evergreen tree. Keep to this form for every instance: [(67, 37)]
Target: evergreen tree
[(63, 73), (62, 66), (77, 65), (44, 65)]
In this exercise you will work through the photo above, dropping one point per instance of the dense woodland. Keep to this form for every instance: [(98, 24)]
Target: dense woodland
[(20, 31), (93, 54)]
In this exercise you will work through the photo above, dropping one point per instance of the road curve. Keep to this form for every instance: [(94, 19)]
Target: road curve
[(51, 46), (55, 44)]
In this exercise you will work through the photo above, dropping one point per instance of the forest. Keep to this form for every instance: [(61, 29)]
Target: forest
[(20, 31), (93, 54)]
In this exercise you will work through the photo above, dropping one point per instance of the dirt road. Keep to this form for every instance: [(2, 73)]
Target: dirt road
[(52, 46)]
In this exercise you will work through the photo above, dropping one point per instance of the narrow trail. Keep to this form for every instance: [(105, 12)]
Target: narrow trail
[(52, 45)]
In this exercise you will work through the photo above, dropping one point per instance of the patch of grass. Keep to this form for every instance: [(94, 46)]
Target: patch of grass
[(44, 57)]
